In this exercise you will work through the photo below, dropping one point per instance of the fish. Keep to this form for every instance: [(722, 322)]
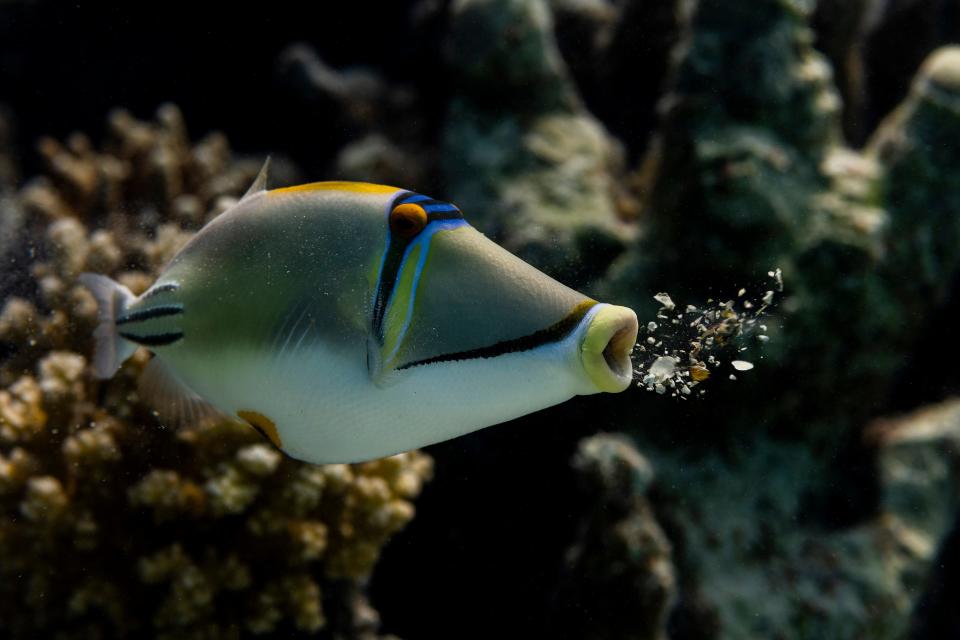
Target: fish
[(348, 321)]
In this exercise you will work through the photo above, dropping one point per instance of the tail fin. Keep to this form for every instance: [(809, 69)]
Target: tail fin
[(110, 349)]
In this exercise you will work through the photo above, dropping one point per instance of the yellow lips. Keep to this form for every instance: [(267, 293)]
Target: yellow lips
[(606, 348)]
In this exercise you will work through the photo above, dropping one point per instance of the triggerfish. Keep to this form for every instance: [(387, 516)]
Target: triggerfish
[(348, 321)]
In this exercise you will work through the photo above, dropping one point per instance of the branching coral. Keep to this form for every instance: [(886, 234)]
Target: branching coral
[(112, 525)]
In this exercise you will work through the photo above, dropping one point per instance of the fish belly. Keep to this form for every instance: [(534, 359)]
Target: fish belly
[(326, 409)]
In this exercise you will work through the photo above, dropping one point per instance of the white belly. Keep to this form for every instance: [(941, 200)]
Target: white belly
[(326, 408)]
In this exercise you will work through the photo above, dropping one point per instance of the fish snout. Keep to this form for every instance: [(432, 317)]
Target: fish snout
[(606, 348)]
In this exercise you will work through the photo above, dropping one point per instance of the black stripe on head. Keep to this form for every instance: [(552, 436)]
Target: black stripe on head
[(397, 247), (554, 333), (148, 314), (389, 270), (155, 340)]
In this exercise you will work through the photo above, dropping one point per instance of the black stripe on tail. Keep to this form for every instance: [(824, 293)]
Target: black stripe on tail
[(155, 340), (159, 311)]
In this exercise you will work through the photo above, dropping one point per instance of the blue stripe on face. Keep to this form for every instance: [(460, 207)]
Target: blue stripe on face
[(439, 207), (414, 198), (422, 240), (397, 250)]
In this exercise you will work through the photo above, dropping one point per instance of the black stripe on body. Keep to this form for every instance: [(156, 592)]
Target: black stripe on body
[(160, 288), (148, 314), (155, 340), (554, 333)]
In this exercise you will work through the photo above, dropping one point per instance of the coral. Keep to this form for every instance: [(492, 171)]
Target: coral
[(602, 43), (359, 97), (781, 504), (910, 147), (111, 525), (618, 574), (520, 152), (728, 179), (381, 120), (842, 27), (857, 581), (749, 173)]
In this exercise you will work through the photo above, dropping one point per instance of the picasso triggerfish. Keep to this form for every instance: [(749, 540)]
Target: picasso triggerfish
[(348, 321)]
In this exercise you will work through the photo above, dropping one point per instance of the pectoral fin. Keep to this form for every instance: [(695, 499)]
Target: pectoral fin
[(174, 402)]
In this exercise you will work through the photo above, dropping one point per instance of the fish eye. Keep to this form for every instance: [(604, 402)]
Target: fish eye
[(407, 220)]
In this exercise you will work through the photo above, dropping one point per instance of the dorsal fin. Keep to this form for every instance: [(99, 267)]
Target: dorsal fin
[(173, 401), (260, 182)]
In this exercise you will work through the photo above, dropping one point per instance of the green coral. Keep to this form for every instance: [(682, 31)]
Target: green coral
[(750, 173), (620, 567), (521, 154), (113, 525)]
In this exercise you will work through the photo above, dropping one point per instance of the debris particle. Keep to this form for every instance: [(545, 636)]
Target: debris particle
[(698, 373), (684, 348), (663, 368), (665, 300)]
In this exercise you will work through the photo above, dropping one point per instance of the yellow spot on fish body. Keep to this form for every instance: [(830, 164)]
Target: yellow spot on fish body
[(263, 424), (350, 187)]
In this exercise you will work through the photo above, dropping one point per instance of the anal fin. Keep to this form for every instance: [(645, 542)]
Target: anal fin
[(176, 404)]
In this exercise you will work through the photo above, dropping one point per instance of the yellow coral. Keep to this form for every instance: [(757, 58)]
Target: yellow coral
[(45, 499), (21, 411), (106, 516), (167, 494)]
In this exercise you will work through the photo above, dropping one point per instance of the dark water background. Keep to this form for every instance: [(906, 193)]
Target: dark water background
[(483, 555)]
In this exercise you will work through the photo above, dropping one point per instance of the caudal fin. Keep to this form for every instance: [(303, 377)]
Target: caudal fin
[(110, 350)]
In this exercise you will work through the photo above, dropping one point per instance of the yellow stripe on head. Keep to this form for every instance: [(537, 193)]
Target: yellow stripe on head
[(397, 316), (350, 187)]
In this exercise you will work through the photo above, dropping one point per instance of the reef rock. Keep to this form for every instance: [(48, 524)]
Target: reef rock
[(618, 577), (783, 493), (520, 154), (729, 178)]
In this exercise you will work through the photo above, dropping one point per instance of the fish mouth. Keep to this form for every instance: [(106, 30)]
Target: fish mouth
[(607, 344)]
